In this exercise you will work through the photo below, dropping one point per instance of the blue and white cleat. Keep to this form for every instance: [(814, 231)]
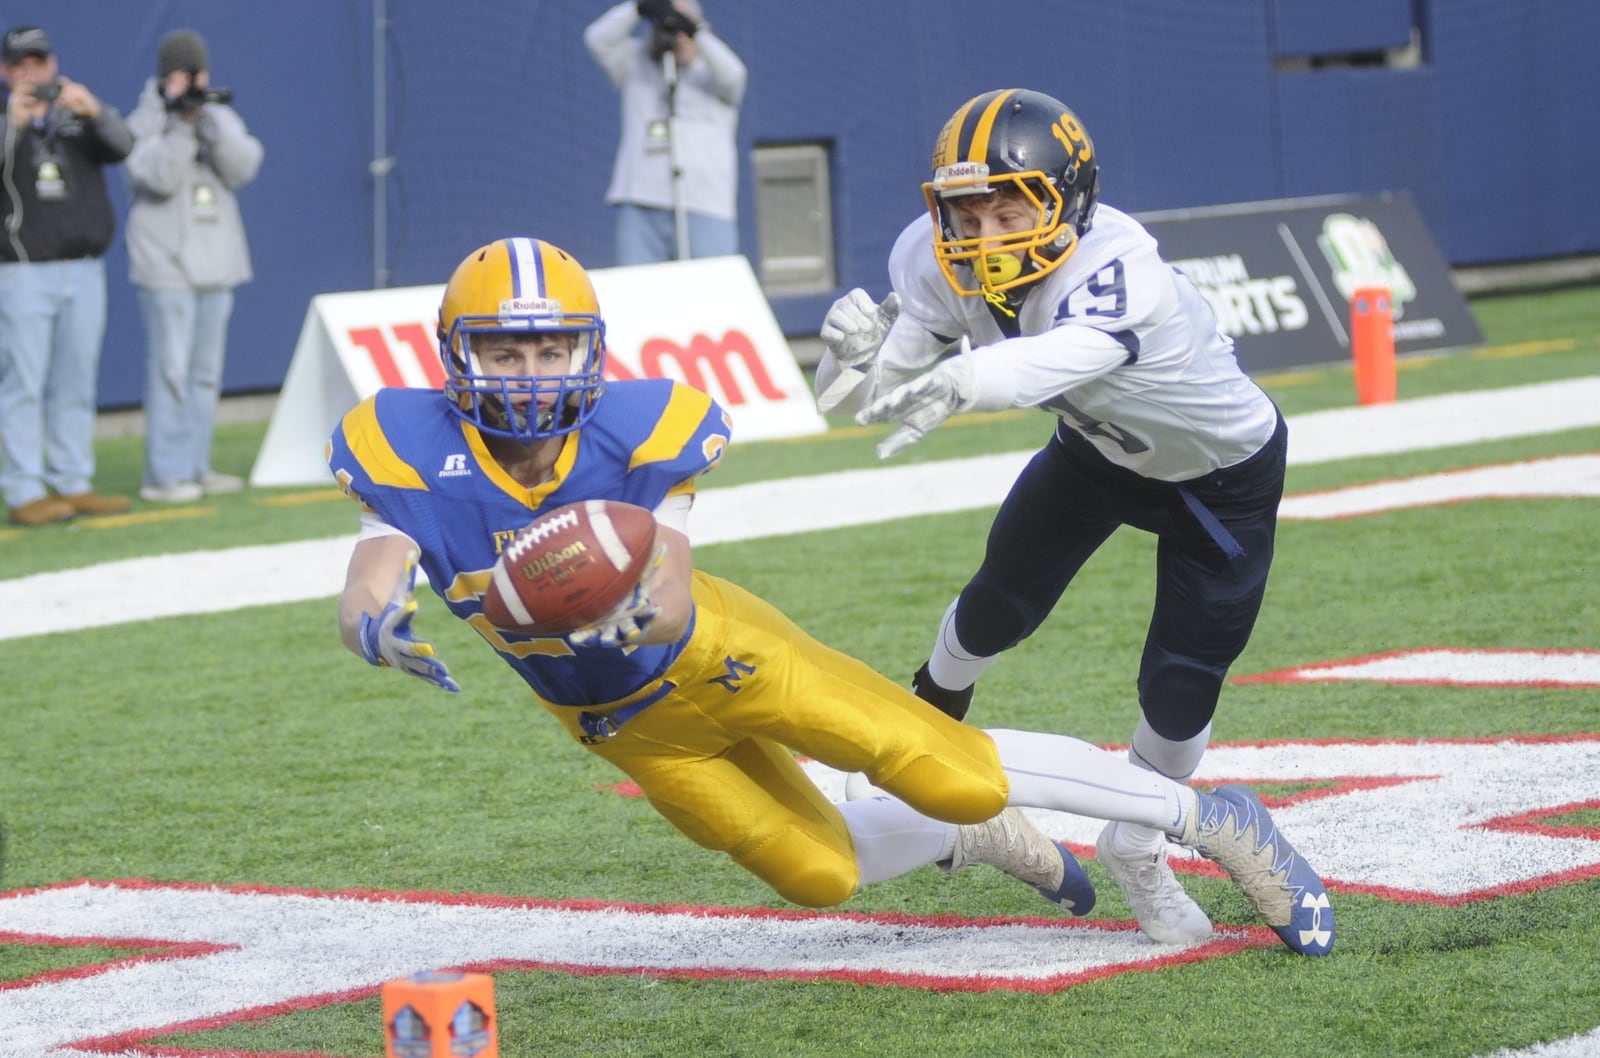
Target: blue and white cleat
[(1234, 830), (1010, 843)]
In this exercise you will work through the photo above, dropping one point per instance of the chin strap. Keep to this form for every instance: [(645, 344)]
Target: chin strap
[(999, 302)]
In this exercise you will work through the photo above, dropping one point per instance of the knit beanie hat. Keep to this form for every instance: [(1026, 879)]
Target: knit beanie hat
[(22, 42), (182, 49)]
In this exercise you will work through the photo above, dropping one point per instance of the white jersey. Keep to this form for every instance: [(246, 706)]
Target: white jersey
[(1115, 341)]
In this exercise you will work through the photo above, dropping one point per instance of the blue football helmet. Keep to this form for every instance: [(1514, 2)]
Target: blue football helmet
[(1025, 142)]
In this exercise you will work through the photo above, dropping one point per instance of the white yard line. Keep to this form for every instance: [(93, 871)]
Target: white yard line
[(1453, 667), (1558, 476), (234, 578), (1586, 1045)]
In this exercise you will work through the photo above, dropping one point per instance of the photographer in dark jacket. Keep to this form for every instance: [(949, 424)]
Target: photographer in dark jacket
[(55, 141)]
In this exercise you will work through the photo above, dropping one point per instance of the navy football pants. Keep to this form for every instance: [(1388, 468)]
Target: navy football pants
[(1216, 536)]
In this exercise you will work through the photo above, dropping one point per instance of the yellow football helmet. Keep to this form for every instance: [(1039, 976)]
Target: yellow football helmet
[(1011, 139), (521, 284)]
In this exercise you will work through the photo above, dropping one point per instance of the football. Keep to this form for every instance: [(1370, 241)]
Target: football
[(570, 567)]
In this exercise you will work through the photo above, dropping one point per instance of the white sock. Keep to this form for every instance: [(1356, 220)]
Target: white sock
[(951, 665), (892, 838), (1069, 775), (1175, 760), (857, 787)]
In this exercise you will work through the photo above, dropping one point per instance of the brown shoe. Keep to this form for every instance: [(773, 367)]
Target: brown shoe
[(94, 503), (46, 510)]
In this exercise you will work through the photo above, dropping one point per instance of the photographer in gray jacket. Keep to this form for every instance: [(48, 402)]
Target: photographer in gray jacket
[(678, 146), (186, 253)]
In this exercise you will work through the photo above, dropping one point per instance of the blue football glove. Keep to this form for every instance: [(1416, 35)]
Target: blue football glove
[(922, 403), (388, 642), (625, 624)]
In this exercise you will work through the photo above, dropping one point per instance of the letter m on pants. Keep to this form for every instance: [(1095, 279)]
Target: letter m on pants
[(737, 670)]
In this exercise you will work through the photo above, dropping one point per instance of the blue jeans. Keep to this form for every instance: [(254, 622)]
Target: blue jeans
[(646, 235), (52, 321), (186, 340)]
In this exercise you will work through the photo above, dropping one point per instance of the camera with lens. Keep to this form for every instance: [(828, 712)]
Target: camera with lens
[(666, 22), (197, 97), (48, 92)]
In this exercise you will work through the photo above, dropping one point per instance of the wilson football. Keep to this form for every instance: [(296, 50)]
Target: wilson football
[(570, 567)]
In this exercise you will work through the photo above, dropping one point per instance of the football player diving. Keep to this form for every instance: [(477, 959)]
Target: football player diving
[(695, 689), (1016, 289)]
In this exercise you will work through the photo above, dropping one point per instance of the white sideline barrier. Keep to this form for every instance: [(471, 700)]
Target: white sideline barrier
[(704, 322)]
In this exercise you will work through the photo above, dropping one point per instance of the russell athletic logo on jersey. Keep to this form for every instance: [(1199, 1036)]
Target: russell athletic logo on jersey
[(455, 466)]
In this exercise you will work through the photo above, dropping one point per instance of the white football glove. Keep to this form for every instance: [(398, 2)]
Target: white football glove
[(853, 331), (923, 403), (388, 642), (625, 624)]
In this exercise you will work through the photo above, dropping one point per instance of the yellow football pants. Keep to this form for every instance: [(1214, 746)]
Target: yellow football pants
[(712, 755)]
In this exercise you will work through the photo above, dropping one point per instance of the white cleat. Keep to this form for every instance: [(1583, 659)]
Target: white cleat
[(1164, 909)]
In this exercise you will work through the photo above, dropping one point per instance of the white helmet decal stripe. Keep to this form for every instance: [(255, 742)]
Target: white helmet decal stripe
[(527, 272)]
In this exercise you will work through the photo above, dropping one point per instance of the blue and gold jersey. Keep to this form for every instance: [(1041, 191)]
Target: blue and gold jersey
[(405, 454)]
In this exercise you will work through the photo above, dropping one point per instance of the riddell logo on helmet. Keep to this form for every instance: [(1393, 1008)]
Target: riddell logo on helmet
[(524, 306), (961, 174)]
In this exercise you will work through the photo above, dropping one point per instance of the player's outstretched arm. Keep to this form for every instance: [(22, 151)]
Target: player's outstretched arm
[(377, 606), (924, 402)]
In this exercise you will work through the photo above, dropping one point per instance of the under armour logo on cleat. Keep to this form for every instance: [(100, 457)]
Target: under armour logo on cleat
[(1316, 936)]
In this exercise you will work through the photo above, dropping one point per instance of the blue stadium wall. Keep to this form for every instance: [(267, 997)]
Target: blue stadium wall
[(498, 123)]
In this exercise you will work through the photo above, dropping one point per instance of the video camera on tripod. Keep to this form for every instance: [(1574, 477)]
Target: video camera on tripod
[(666, 23)]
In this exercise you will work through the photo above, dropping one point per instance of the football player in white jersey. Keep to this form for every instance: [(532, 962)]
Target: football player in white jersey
[(698, 691), (1018, 288)]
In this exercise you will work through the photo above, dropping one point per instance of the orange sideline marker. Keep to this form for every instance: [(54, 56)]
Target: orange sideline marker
[(1372, 344), (440, 1015)]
